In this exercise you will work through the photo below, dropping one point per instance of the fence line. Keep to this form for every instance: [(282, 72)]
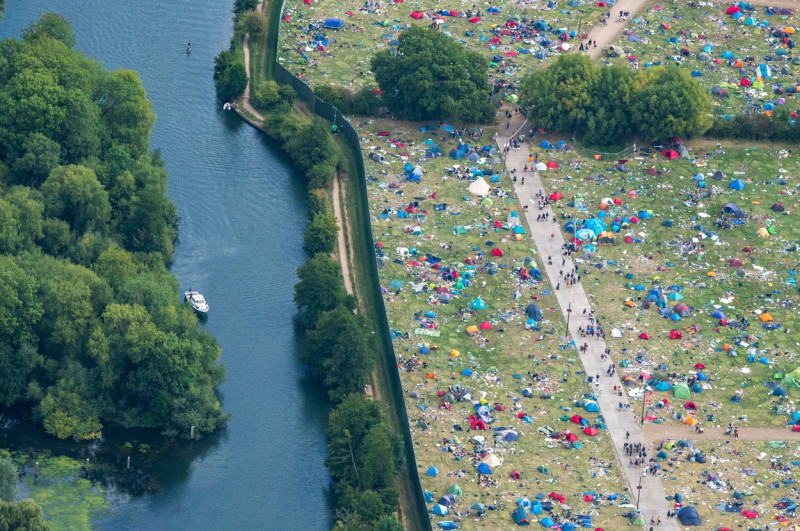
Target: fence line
[(331, 113)]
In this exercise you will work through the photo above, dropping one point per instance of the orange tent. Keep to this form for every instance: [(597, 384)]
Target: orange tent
[(690, 420)]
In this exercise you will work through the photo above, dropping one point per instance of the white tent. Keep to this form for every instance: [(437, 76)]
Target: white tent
[(492, 460), (541, 166), (479, 187)]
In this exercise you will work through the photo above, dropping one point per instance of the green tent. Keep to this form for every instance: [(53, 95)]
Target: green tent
[(792, 379), (682, 391), (639, 521), (543, 470), (455, 490)]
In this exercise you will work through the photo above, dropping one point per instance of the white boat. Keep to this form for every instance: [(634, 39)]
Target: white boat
[(197, 301)]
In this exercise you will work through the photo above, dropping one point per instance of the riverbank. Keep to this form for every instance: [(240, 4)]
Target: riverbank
[(359, 276)]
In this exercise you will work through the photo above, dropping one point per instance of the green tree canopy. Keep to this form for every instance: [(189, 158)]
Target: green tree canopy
[(53, 26), (23, 515), (91, 330), (433, 77), (575, 96), (8, 479), (230, 76), (321, 233), (668, 102), (320, 289), (74, 194)]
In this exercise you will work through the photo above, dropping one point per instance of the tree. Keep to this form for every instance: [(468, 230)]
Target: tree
[(668, 102), (8, 479), (348, 425), (39, 156), (312, 147), (432, 77), (230, 76), (559, 97), (321, 233), (318, 201), (255, 23), (609, 103), (337, 331), (125, 110), (53, 26), (265, 95), (240, 6), (352, 359), (24, 514), (321, 288), (74, 194)]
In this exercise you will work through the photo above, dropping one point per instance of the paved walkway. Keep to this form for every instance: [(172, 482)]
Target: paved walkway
[(548, 240)]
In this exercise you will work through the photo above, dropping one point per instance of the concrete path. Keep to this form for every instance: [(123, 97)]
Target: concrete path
[(621, 424), (604, 35)]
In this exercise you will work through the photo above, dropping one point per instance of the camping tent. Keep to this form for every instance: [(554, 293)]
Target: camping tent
[(333, 23), (688, 517), (479, 187), (681, 391), (520, 516)]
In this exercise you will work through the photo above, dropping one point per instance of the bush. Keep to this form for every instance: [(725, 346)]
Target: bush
[(321, 233)]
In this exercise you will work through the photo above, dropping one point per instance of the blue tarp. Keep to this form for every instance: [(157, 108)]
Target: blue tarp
[(333, 23)]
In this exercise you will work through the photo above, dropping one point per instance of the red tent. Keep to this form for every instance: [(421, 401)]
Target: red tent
[(671, 154), (497, 252), (486, 325), (732, 9), (552, 164), (576, 419), (747, 513), (588, 497), (571, 437), (555, 196), (745, 82), (675, 334), (691, 405), (643, 336), (515, 474), (475, 19), (590, 431), (416, 15), (617, 201), (699, 366), (601, 4)]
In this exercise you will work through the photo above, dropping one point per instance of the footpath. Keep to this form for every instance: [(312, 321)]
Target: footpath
[(622, 427)]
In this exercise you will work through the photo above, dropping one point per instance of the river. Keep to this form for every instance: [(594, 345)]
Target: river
[(242, 220)]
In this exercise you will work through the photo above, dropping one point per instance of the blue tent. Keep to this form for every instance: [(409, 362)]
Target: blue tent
[(737, 184), (544, 144), (428, 497), (448, 525), (547, 522), (333, 23), (779, 392), (688, 517), (483, 468), (478, 304), (592, 407), (432, 471), (520, 517), (439, 510)]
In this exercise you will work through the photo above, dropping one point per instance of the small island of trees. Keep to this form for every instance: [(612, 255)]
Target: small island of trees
[(91, 330)]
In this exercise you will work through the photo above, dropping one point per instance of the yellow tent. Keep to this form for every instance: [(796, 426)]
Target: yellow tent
[(454, 353), (711, 274), (789, 30), (765, 317), (472, 329), (690, 420), (763, 232)]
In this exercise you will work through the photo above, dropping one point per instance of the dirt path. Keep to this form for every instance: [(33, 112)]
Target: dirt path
[(343, 256), (605, 34), (622, 424), (654, 433)]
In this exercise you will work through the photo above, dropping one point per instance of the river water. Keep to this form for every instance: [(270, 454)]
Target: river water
[(242, 219)]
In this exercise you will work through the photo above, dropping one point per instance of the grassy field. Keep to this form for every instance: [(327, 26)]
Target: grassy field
[(757, 470), (663, 30), (681, 242), (503, 361), (345, 59)]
